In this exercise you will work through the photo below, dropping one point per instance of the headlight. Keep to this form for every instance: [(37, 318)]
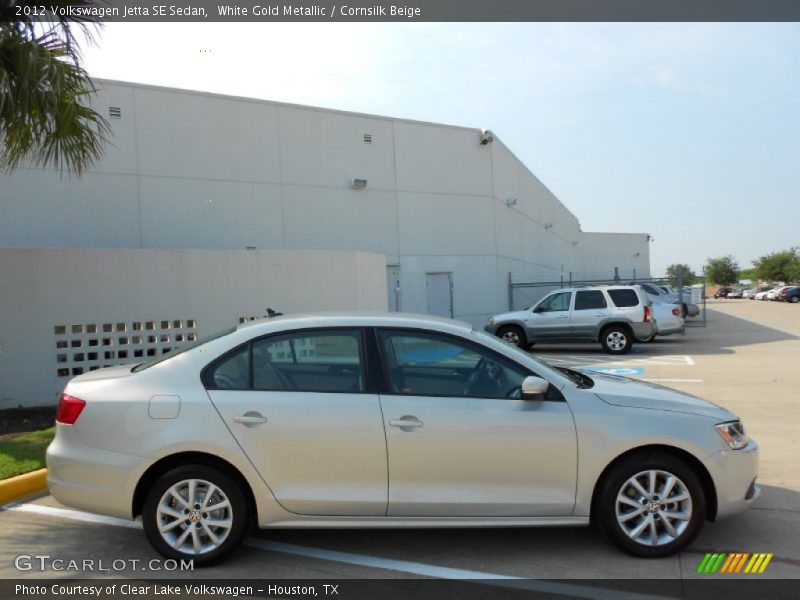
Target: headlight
[(491, 320), (733, 434)]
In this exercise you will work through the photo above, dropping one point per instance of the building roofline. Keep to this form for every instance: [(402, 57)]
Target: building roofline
[(348, 113), (278, 103)]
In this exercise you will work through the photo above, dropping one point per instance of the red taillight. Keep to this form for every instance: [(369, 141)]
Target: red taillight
[(69, 409), (676, 312), (647, 314)]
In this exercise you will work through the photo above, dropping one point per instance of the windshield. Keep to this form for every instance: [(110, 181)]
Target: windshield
[(180, 350)]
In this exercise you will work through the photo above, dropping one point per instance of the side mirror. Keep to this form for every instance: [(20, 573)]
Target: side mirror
[(534, 388)]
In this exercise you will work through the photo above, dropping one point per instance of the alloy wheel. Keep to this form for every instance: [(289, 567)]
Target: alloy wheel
[(653, 508), (616, 341), (194, 516)]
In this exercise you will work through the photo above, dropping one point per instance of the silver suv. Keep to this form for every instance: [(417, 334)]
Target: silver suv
[(614, 315)]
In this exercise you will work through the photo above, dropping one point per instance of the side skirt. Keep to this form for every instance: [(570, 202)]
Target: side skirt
[(424, 522)]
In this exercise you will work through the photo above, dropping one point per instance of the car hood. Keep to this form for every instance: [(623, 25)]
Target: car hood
[(623, 391), (518, 315)]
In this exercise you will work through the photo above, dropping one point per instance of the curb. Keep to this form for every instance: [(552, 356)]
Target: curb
[(26, 484)]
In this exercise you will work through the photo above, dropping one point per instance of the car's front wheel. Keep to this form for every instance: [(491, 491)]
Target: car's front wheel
[(195, 512), (651, 505), (513, 335), (616, 339)]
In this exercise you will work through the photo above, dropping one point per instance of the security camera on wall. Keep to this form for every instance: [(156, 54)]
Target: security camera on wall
[(486, 137)]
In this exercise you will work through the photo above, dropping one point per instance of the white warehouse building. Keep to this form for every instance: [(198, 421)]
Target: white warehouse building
[(453, 213)]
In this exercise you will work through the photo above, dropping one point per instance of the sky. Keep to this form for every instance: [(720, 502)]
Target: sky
[(689, 132)]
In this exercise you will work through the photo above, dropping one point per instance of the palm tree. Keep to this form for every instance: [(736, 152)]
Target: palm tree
[(45, 115)]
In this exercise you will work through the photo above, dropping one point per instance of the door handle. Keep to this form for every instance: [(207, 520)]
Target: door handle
[(250, 419), (563, 316), (406, 422), (599, 314)]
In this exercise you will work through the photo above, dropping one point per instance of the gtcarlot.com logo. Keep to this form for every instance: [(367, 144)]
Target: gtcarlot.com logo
[(734, 563)]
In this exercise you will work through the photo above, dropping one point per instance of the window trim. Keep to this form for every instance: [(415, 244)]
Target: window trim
[(387, 391), (362, 349)]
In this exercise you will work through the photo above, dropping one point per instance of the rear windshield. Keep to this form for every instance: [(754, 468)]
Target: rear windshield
[(174, 352), (624, 298)]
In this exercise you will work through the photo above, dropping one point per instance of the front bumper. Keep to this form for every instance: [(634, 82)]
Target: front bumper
[(734, 473), (491, 328), (91, 479)]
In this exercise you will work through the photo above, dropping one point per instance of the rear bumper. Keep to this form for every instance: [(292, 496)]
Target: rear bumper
[(668, 326), (734, 473), (643, 330), (91, 479)]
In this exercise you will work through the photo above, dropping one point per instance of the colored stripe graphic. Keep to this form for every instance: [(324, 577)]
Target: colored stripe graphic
[(734, 562)]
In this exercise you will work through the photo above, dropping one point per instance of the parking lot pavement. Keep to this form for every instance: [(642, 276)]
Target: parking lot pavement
[(743, 360)]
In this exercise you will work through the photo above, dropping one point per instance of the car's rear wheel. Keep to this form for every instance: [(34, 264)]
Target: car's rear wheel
[(513, 335), (651, 505), (648, 340), (794, 299), (195, 512), (616, 339)]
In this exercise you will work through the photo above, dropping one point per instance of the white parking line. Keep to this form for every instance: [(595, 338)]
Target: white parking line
[(375, 562), (659, 361), (674, 380)]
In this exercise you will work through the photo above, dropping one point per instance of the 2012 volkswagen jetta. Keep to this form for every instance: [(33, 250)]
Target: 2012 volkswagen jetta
[(389, 421)]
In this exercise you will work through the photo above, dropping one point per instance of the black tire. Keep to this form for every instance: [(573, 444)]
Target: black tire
[(513, 334), (794, 299), (648, 340), (237, 513), (616, 339), (615, 481)]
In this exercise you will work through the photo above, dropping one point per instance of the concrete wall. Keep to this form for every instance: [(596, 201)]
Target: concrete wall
[(193, 292), (628, 251), (195, 170)]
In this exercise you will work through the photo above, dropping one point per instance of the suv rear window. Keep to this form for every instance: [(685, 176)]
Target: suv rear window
[(624, 298)]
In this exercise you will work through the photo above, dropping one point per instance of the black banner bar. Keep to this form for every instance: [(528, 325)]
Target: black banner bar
[(408, 10), (395, 589)]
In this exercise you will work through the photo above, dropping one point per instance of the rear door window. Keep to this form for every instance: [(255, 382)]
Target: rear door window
[(624, 298), (590, 299)]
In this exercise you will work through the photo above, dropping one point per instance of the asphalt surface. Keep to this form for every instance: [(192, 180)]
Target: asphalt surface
[(746, 359)]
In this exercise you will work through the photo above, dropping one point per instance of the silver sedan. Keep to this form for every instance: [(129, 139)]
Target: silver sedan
[(389, 421)]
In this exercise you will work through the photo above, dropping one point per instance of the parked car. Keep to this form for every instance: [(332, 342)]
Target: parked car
[(763, 295), (752, 292), (659, 295), (722, 292), (735, 293), (775, 292), (389, 421), (615, 316), (789, 294), (668, 320)]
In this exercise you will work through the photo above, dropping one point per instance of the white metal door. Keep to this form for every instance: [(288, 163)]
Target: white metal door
[(440, 294), (393, 287)]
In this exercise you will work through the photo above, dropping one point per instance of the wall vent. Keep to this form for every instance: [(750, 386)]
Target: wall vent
[(115, 112), (367, 138)]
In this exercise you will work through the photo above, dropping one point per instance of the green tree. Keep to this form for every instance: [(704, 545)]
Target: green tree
[(779, 266), (723, 270), (45, 115), (680, 272)]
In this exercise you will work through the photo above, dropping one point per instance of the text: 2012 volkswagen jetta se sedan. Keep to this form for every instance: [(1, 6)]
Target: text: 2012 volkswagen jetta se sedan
[(389, 420)]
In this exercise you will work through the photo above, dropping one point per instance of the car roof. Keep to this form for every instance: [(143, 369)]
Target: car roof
[(355, 319)]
